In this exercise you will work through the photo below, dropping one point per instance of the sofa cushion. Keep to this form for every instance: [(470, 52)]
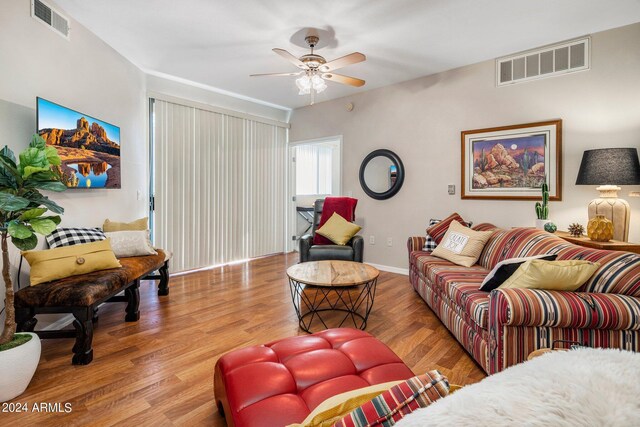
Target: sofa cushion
[(619, 272), (463, 290), (334, 252), (519, 243)]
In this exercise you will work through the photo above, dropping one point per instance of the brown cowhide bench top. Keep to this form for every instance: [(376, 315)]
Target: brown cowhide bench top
[(81, 295), (87, 289)]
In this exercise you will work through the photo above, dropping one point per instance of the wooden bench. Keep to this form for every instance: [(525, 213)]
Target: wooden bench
[(81, 295)]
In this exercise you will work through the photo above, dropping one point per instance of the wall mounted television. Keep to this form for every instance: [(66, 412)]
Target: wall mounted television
[(89, 148)]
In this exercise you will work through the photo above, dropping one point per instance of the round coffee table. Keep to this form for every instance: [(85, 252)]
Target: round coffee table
[(321, 286)]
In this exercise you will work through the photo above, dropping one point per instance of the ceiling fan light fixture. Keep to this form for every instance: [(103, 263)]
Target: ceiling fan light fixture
[(318, 83), (303, 83)]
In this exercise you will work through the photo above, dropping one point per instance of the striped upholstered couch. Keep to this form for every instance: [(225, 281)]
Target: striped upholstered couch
[(501, 328)]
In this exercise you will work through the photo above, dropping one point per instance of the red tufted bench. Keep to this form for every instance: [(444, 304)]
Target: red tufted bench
[(282, 382)]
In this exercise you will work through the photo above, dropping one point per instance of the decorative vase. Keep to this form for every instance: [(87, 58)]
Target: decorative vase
[(550, 227), (540, 223), (17, 366), (600, 229)]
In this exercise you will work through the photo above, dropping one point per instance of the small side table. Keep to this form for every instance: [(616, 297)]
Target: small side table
[(612, 245)]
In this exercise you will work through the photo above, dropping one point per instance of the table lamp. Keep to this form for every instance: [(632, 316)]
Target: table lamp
[(608, 168)]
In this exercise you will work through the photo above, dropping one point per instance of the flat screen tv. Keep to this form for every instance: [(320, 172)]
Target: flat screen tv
[(89, 148)]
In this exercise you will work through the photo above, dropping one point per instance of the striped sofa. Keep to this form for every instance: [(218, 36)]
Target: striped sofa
[(501, 328)]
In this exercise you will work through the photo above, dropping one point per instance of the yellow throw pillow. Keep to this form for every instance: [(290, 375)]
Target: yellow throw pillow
[(336, 407), (338, 230), (137, 225), (462, 245), (58, 263), (551, 275)]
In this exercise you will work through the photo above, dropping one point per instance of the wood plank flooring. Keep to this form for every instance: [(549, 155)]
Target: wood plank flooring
[(159, 370)]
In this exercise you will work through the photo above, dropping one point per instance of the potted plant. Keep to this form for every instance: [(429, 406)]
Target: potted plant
[(542, 209), (22, 215)]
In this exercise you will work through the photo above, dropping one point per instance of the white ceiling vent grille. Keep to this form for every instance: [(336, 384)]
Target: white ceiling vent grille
[(44, 13), (561, 58)]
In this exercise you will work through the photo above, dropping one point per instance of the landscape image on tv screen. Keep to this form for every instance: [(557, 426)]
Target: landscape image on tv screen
[(89, 148)]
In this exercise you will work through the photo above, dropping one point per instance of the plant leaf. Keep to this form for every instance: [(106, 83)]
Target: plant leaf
[(11, 203), (6, 152), (31, 214), (25, 244), (37, 142), (19, 230), (52, 156), (9, 168), (42, 226), (30, 170), (55, 218), (49, 204), (50, 185)]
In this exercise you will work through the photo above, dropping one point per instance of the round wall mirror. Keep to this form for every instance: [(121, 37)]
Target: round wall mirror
[(381, 174)]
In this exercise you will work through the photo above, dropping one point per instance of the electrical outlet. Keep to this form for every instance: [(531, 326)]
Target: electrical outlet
[(372, 240), (389, 241), (451, 188)]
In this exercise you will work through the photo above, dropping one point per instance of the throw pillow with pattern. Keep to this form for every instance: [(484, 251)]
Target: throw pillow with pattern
[(74, 236)]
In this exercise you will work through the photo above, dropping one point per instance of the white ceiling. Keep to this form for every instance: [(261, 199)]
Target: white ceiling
[(220, 42)]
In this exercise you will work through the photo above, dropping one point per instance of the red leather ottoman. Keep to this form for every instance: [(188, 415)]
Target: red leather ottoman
[(281, 382)]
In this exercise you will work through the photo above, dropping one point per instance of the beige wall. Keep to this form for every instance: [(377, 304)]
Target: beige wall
[(421, 121)]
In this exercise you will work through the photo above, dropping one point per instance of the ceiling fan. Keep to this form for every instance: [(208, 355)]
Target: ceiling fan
[(315, 69)]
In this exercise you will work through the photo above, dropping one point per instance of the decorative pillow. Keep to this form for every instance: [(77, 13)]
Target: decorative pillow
[(430, 244), (551, 275), (402, 399), (461, 245), (336, 407), (138, 224), (438, 230), (58, 263), (131, 243), (338, 230), (74, 236), (504, 269), (344, 206)]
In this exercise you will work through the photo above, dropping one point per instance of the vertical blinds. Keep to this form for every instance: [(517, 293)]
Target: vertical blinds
[(313, 169), (219, 186)]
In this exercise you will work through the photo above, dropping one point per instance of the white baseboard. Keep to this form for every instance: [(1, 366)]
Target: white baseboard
[(390, 269)]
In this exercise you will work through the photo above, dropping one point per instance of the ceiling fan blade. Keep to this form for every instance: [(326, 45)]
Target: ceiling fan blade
[(352, 58), (345, 80), (289, 57), (275, 74)]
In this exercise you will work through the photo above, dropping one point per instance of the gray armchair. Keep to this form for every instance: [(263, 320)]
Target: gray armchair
[(352, 251)]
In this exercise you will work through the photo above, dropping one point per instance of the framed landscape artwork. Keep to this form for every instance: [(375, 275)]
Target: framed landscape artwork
[(512, 162), (88, 147)]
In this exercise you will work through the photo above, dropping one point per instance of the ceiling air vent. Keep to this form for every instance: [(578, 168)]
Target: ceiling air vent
[(44, 13), (561, 58)]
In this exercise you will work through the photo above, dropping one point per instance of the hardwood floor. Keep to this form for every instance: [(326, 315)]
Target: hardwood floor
[(159, 370)]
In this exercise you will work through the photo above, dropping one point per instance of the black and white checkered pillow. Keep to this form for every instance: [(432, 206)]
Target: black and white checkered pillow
[(74, 236), (430, 244)]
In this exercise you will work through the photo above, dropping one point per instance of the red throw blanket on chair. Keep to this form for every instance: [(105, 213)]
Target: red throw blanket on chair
[(344, 206)]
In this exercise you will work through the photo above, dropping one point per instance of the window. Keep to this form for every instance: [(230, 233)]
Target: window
[(314, 169)]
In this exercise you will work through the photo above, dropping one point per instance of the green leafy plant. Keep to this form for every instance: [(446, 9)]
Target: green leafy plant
[(542, 209), (23, 208)]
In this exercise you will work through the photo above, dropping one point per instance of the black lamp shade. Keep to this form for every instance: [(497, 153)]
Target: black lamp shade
[(609, 166)]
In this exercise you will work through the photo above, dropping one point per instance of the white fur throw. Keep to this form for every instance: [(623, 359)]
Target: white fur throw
[(583, 387)]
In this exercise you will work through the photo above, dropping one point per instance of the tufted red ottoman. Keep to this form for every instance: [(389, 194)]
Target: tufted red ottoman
[(281, 382)]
